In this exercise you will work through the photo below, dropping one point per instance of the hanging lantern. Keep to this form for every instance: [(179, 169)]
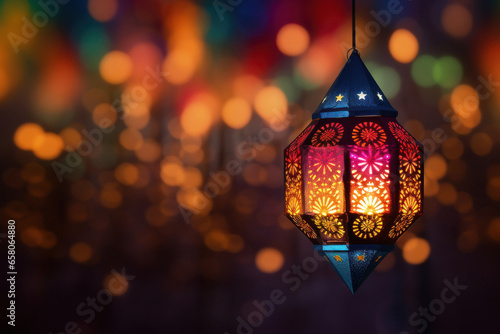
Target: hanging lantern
[(353, 177)]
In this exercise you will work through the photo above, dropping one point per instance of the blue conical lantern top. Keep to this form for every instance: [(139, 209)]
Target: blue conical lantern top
[(354, 93)]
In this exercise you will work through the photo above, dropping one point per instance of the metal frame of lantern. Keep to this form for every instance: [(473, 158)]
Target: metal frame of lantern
[(353, 177)]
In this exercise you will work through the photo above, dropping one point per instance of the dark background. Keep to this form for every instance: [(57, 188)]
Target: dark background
[(134, 206)]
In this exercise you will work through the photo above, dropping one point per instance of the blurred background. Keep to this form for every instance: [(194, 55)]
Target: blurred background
[(142, 161)]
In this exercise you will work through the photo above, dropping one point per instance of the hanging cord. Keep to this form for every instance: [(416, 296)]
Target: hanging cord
[(353, 10), (354, 24)]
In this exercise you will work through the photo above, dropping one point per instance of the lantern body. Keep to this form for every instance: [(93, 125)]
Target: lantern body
[(353, 177)]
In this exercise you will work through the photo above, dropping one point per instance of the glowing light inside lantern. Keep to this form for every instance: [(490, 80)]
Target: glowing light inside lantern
[(354, 184)]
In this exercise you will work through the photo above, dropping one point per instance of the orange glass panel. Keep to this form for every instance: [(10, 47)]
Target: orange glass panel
[(323, 184), (370, 179), (410, 172)]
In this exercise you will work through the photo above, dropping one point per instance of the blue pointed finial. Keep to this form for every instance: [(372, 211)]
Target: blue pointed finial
[(354, 263)]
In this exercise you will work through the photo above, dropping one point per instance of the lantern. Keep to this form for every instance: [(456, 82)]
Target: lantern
[(353, 177)]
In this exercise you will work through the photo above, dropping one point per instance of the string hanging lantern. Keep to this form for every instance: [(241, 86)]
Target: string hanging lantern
[(353, 177)]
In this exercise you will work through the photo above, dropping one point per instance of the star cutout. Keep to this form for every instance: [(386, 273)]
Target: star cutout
[(338, 258), (379, 96), (362, 96), (339, 98), (361, 258)]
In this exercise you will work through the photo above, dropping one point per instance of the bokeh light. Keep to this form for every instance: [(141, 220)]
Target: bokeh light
[(457, 20), (127, 174), (422, 70), (71, 138), (435, 167), (172, 172), (388, 79), (247, 86), (191, 144), (192, 177), (59, 87), (137, 117), (110, 197), (116, 284), (318, 65), (196, 119), (481, 144), (102, 10), (416, 251), (416, 128), (25, 135), (292, 39), (32, 237), (182, 62), (494, 229), (236, 113), (269, 260), (80, 252), (48, 146), (217, 240), (271, 104), (447, 71), (33, 172), (104, 115), (403, 45), (493, 188), (131, 139), (149, 151), (465, 104), (115, 67)]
